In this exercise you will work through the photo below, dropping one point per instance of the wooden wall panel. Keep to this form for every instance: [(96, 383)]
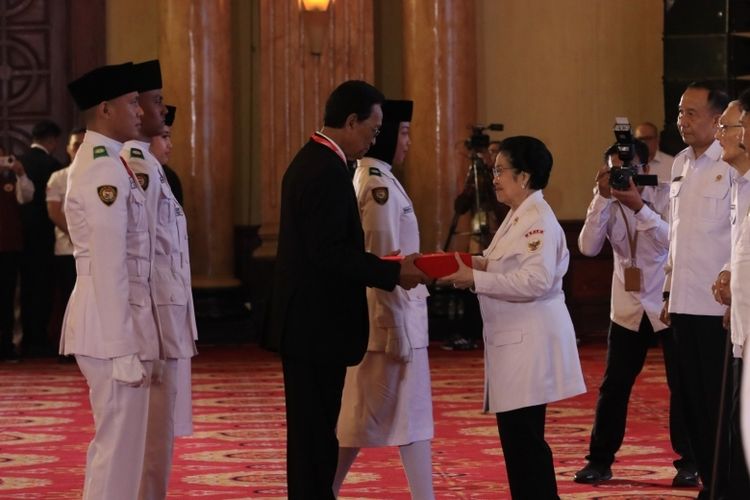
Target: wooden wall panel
[(295, 85)]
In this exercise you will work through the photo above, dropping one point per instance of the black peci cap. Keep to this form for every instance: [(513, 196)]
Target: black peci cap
[(169, 117), (102, 84), (397, 111), (147, 75), (394, 112)]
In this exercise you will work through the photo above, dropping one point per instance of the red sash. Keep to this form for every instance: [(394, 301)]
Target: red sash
[(327, 143), (127, 168)]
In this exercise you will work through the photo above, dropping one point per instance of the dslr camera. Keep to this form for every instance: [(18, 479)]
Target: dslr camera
[(619, 177), (478, 139)]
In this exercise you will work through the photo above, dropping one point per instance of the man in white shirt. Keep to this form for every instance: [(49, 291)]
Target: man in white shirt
[(635, 223), (659, 162), (699, 247), (64, 264), (730, 280)]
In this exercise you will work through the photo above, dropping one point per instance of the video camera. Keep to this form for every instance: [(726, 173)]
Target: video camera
[(619, 177), (480, 140)]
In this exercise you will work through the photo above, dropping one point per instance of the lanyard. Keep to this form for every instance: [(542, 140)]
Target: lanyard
[(330, 145), (632, 241), (130, 172)]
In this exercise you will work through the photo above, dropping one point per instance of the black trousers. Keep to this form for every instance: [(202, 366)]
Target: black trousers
[(528, 457), (313, 400), (36, 302), (626, 353), (9, 262), (702, 358)]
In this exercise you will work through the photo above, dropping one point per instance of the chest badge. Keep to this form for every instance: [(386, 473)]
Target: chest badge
[(108, 194), (380, 195), (142, 180), (534, 245)]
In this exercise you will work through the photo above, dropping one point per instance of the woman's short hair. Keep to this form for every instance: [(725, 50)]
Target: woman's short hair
[(530, 155)]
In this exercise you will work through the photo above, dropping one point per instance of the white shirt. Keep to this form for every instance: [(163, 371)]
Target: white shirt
[(56, 192), (604, 220), (739, 264), (699, 230), (661, 166)]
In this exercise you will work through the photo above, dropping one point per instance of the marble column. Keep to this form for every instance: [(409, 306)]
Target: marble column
[(296, 83), (440, 76), (195, 47)]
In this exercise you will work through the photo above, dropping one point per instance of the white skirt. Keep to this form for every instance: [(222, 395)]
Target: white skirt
[(385, 402)]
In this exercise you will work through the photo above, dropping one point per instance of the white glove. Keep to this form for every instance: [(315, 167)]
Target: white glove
[(397, 346), (129, 370)]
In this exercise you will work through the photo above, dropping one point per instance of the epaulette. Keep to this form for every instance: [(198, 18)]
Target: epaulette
[(375, 171), (136, 153), (100, 151)]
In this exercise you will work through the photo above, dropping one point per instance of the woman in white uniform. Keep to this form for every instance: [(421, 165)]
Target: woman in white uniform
[(530, 350), (386, 399)]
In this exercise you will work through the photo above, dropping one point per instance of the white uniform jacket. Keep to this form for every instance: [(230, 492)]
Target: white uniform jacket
[(699, 230), (604, 220), (390, 224), (530, 349), (170, 278), (110, 311)]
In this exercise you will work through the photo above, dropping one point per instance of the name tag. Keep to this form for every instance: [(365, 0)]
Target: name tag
[(408, 210)]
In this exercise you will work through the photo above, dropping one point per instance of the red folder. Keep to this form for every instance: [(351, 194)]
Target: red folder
[(437, 265)]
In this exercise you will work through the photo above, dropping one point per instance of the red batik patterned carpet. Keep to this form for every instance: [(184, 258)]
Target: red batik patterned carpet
[(238, 452)]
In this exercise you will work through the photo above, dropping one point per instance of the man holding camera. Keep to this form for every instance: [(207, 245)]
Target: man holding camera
[(634, 220), (698, 248), (17, 189)]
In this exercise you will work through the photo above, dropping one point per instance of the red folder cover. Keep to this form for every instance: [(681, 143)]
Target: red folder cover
[(437, 265)]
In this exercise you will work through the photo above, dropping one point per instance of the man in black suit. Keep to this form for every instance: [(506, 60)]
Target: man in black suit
[(322, 270), (39, 241)]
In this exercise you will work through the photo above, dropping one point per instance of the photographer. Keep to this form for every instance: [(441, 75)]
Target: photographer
[(17, 189), (634, 220)]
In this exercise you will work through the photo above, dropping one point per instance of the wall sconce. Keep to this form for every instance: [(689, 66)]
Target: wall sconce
[(315, 18)]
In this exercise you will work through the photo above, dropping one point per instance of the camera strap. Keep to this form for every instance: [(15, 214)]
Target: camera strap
[(632, 273)]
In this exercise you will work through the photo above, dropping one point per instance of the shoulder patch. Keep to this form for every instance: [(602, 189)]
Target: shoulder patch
[(380, 195), (375, 171), (100, 151), (107, 193), (142, 180), (136, 153)]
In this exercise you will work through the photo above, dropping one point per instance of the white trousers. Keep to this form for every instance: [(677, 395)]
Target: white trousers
[(120, 465)]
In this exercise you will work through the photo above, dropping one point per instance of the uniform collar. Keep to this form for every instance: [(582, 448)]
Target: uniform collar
[(36, 145), (374, 162), (97, 139), (713, 151)]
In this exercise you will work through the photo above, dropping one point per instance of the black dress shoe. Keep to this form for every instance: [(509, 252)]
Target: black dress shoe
[(593, 473), (685, 478)]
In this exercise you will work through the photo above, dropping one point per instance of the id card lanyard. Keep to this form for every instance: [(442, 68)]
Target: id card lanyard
[(632, 273)]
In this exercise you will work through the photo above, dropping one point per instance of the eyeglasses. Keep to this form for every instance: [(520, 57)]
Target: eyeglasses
[(375, 131), (723, 128), (498, 171)]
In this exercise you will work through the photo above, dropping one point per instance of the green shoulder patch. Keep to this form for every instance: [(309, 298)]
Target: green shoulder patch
[(136, 153), (375, 171), (100, 151)]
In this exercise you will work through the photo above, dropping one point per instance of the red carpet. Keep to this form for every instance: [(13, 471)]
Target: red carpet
[(238, 448)]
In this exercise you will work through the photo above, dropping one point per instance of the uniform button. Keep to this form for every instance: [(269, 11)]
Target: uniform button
[(171, 298)]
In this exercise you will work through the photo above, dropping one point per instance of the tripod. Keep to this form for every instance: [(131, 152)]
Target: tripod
[(475, 175)]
